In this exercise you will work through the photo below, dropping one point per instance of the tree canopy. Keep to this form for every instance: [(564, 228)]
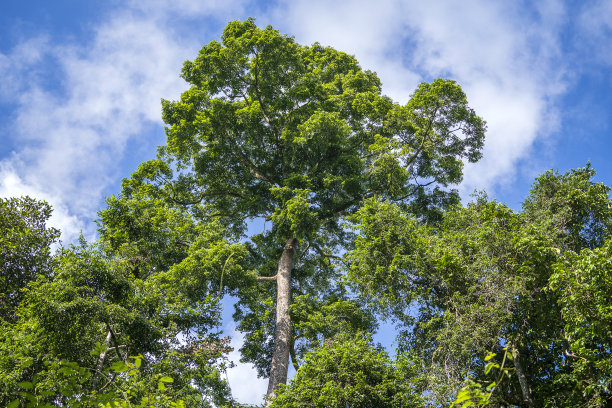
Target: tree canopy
[(487, 278), (24, 249), (82, 324)]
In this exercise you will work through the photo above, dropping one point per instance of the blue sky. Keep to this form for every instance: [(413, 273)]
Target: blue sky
[(81, 83)]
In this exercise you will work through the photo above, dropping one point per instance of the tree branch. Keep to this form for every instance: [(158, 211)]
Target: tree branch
[(257, 94), (253, 169), (294, 361), (323, 254), (203, 195), (115, 342), (101, 360), (568, 354), (266, 278), (522, 376), (425, 137), (339, 210)]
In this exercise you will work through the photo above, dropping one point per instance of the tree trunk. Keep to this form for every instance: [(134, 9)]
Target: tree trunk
[(282, 332), (522, 377), (101, 360)]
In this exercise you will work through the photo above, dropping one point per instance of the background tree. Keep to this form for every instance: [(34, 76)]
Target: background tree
[(25, 249), (583, 281), (481, 280), (300, 136), (348, 372), (120, 305)]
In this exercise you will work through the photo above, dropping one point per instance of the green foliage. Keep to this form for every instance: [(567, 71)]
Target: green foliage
[(575, 209), (583, 281), (452, 287), (485, 273), (315, 321), (347, 372), (25, 253), (302, 134), (473, 394), (95, 300), (133, 391)]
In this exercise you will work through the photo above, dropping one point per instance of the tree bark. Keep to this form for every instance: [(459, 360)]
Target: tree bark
[(282, 332), (522, 377)]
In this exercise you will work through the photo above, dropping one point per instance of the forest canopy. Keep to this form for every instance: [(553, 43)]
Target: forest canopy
[(493, 306)]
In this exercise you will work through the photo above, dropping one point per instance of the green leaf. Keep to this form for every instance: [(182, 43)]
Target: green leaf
[(26, 385), (489, 366), (119, 367)]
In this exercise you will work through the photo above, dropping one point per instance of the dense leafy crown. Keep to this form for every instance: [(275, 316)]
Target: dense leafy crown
[(487, 278), (25, 254), (301, 134)]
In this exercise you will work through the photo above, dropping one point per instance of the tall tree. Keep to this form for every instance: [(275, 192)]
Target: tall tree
[(300, 136)]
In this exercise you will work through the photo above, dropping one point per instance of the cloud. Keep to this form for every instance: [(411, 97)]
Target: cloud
[(188, 9), (72, 134), (20, 63), (247, 388)]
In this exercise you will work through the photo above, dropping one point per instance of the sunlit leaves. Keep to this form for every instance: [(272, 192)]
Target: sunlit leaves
[(25, 249), (583, 282), (347, 371)]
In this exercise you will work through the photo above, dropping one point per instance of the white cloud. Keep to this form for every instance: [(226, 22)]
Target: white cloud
[(188, 9), (247, 388), (71, 141), (19, 63)]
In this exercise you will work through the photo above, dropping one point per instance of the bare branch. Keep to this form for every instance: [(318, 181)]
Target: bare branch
[(294, 361), (568, 354), (266, 278), (115, 342), (204, 195), (101, 360)]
